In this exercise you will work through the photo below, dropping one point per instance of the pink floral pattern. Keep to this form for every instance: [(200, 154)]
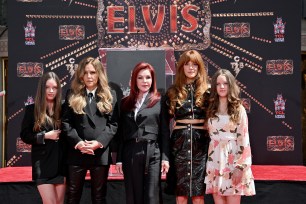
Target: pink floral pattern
[(229, 148)]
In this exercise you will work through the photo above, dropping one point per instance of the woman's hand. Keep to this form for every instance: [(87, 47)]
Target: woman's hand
[(89, 147), (237, 176), (84, 148), (93, 144), (119, 168), (53, 135), (165, 166)]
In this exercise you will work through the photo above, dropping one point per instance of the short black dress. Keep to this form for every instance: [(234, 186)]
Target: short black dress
[(189, 147), (48, 166)]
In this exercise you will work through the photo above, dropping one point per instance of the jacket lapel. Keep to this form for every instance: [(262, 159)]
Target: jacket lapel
[(145, 103)]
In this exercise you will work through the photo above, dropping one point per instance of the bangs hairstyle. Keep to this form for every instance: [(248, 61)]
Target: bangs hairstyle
[(41, 114), (77, 99), (177, 93), (233, 96), (128, 103)]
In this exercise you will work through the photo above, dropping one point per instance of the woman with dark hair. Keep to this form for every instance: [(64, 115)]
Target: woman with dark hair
[(228, 174), (41, 128), (89, 123), (187, 100), (139, 156)]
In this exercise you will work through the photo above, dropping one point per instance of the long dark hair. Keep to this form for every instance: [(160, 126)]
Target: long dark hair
[(128, 103), (40, 111), (233, 96)]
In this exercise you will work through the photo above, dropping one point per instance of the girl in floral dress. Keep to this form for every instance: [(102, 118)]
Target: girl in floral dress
[(228, 173)]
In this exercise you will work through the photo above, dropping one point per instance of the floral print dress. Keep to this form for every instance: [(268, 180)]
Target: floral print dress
[(229, 148)]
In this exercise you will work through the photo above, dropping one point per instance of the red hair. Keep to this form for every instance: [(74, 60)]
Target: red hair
[(128, 103)]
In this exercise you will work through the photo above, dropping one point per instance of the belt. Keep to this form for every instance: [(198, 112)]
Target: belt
[(137, 140), (190, 121), (142, 139), (179, 125)]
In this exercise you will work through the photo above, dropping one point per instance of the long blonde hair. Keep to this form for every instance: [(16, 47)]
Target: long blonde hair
[(41, 115), (177, 93), (77, 100), (233, 97)]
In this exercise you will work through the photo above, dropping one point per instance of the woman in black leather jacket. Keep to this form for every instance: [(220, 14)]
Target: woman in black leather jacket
[(187, 102)]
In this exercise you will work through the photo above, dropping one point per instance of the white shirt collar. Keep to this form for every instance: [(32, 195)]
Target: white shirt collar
[(93, 91), (139, 104)]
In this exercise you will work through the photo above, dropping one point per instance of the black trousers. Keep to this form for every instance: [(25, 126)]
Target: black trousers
[(75, 182), (141, 188)]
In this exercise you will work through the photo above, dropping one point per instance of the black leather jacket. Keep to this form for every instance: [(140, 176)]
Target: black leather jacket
[(189, 110)]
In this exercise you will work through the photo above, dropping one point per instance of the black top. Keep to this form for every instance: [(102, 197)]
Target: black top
[(146, 126), (93, 125), (47, 155)]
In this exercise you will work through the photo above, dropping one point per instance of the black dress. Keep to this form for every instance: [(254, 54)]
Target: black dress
[(189, 147), (47, 155)]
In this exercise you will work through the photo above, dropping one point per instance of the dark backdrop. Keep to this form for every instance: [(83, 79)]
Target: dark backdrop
[(241, 30)]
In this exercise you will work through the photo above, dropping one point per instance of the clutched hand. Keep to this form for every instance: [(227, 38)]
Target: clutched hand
[(85, 148), (119, 168), (93, 144), (53, 135), (89, 147), (165, 166)]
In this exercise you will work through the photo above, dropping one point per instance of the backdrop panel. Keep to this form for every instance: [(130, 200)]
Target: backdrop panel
[(257, 40), (120, 62), (48, 35)]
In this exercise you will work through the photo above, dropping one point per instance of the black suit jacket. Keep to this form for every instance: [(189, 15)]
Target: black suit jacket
[(147, 125), (93, 125), (47, 155)]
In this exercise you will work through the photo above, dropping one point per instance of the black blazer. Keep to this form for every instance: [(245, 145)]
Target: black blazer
[(93, 125), (47, 155), (147, 126)]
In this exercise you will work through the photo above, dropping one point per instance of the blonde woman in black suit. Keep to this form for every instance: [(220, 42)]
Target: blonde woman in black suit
[(89, 123), (140, 155), (41, 128)]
